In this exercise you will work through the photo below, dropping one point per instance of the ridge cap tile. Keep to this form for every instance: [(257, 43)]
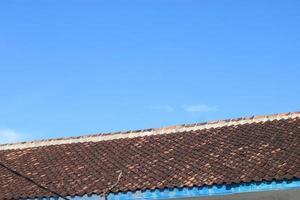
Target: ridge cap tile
[(150, 131)]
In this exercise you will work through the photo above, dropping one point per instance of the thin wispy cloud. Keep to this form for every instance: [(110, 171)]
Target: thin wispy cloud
[(200, 108), (9, 136), (165, 108)]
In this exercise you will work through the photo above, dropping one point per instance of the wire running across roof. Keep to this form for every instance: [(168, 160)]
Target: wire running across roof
[(227, 152)]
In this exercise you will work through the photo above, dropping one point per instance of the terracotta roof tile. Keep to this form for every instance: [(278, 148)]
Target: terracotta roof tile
[(229, 151)]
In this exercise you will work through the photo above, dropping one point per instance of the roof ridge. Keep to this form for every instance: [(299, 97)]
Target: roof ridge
[(151, 131)]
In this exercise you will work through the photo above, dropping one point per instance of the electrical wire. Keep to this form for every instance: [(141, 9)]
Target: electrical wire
[(112, 187), (32, 181), (53, 192)]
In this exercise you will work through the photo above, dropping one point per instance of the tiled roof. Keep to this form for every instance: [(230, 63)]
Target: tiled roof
[(229, 151)]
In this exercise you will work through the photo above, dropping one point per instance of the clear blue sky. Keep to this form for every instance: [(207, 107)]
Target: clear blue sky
[(70, 68)]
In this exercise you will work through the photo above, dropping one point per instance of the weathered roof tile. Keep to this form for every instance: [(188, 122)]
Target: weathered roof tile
[(229, 151)]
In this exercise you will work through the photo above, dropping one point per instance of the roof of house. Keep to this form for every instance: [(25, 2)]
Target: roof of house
[(243, 150)]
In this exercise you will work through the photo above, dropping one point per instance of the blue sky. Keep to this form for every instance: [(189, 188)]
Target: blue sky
[(71, 68)]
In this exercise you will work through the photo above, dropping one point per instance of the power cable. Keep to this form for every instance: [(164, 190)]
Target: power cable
[(105, 194), (32, 181)]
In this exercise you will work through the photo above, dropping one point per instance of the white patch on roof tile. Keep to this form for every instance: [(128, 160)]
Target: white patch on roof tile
[(158, 131)]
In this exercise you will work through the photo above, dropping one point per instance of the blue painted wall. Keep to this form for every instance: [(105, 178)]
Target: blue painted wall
[(196, 191)]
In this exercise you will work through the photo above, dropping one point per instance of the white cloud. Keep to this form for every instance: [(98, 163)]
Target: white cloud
[(9, 136), (200, 108)]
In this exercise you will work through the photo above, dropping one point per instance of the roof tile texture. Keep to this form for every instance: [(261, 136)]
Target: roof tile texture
[(231, 154)]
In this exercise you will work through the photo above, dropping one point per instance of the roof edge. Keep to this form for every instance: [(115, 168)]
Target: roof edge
[(153, 131), (190, 192)]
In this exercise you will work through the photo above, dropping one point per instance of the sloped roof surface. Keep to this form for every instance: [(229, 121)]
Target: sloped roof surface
[(230, 151)]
